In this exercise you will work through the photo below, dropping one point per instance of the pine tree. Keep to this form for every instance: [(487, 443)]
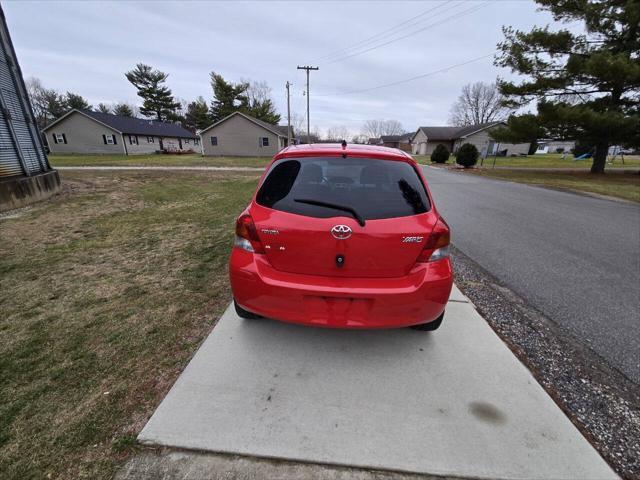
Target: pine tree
[(586, 84), (75, 101), (55, 105), (197, 116), (103, 108), (123, 110), (252, 98), (265, 111), (157, 98), (228, 97)]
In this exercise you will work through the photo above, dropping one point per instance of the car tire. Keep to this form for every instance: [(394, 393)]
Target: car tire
[(242, 313), (430, 326)]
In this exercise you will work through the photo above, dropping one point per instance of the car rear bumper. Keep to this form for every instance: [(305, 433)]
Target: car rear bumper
[(416, 298)]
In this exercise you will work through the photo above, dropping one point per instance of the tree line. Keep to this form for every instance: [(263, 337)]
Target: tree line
[(159, 103)]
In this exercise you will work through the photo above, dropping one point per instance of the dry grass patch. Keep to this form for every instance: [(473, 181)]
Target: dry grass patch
[(625, 185), (107, 290)]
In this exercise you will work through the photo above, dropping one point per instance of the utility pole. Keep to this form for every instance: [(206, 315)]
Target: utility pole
[(307, 68), (288, 116)]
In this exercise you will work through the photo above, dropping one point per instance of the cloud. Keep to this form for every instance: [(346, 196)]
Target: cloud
[(86, 47)]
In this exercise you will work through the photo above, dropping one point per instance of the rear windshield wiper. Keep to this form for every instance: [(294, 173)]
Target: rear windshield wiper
[(344, 208)]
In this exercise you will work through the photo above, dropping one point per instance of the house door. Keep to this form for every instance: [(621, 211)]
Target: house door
[(160, 143)]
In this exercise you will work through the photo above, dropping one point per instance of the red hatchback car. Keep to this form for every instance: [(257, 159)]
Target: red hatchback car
[(343, 236)]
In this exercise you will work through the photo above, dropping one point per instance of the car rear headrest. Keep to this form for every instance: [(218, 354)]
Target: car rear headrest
[(374, 175), (311, 173)]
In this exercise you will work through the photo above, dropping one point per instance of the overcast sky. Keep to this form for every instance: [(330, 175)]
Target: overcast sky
[(86, 46)]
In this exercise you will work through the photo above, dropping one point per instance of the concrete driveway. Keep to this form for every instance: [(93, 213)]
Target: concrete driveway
[(453, 402)]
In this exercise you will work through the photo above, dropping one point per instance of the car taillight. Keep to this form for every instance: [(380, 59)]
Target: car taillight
[(247, 235), (437, 245)]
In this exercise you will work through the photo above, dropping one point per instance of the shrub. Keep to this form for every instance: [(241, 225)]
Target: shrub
[(440, 154), (467, 155)]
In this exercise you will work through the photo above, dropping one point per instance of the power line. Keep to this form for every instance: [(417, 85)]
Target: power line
[(396, 31), (428, 74), (381, 34), (440, 22)]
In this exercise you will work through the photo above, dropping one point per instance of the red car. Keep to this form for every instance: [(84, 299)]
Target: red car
[(343, 236)]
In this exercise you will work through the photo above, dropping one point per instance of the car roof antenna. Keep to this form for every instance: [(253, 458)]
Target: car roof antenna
[(344, 147)]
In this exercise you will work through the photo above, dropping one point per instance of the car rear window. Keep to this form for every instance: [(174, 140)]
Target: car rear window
[(374, 188)]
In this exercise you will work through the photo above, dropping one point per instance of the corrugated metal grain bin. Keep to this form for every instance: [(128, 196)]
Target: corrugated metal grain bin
[(25, 173)]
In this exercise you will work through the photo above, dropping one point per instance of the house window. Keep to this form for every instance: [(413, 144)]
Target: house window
[(133, 140), (186, 141), (196, 141), (214, 141), (151, 140), (109, 139), (265, 141)]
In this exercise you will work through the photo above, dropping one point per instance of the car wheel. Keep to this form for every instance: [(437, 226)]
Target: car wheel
[(431, 326), (242, 313)]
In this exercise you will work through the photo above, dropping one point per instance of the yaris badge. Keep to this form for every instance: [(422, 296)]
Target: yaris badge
[(341, 232)]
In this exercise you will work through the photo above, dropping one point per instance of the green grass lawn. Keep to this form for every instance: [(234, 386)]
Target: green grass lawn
[(625, 185), (156, 160), (106, 292), (532, 161), (551, 160)]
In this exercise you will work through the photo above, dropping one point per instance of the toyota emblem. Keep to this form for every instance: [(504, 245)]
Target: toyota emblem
[(341, 232)]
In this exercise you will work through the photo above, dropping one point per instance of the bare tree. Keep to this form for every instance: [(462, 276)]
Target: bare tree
[(314, 138), (377, 128), (337, 133), (36, 93), (261, 104), (182, 107), (299, 124), (257, 92), (478, 103), (48, 104)]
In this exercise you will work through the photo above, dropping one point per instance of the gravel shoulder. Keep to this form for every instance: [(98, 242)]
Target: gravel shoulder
[(602, 403)]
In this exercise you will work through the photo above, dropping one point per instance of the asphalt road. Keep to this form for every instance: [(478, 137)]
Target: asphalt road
[(575, 258)]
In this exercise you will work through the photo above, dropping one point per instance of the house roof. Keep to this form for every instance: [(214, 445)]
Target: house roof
[(280, 130), (132, 125), (396, 138), (454, 133)]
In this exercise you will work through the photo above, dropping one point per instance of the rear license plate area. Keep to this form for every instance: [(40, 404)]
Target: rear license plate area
[(336, 310)]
